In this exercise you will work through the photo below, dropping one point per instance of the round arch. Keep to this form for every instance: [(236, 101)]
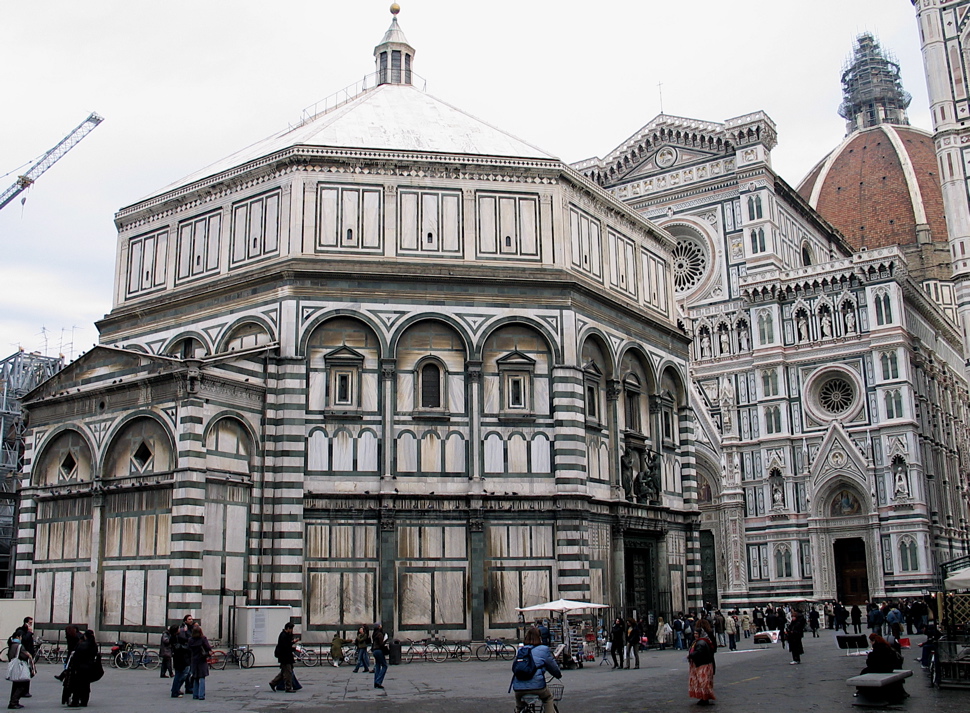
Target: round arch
[(604, 345), (310, 327), (554, 347), (644, 357), (823, 497), (402, 329), (232, 328), (51, 440), (121, 424), (182, 336)]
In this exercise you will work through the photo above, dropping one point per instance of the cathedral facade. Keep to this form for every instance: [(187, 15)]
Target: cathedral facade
[(393, 364), (827, 367)]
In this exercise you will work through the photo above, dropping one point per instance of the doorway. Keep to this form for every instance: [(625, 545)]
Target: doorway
[(708, 570), (640, 577), (851, 573)]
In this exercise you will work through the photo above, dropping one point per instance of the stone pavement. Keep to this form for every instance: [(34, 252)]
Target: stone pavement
[(751, 679)]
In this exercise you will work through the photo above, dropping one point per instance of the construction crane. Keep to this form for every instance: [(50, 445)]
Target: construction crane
[(50, 158)]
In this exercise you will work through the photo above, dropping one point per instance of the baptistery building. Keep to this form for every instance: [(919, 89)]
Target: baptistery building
[(391, 364)]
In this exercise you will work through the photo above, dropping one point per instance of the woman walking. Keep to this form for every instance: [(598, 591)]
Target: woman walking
[(361, 642), (700, 683), (200, 649), (19, 672), (664, 632), (380, 649), (84, 668)]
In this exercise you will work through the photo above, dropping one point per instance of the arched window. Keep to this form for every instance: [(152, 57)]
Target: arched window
[(890, 365), (757, 207), (769, 382), (751, 208), (772, 419), (430, 388), (908, 555), (766, 328), (806, 255), (894, 404), (783, 566), (758, 240), (884, 309)]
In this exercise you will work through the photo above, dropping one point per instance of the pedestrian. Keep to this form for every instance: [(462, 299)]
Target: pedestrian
[(678, 627), (746, 623), (379, 649), (875, 619), (829, 615), (841, 616), (856, 615), (199, 649), (20, 672), (664, 633), (813, 621), (544, 662), (700, 682), (617, 643), (544, 633), (633, 636), (894, 620), (689, 623), (759, 620), (731, 629), (361, 642), (284, 655), (795, 633), (185, 635), (84, 669), (719, 628), (71, 640), (181, 662), (27, 641), (337, 651), (165, 649)]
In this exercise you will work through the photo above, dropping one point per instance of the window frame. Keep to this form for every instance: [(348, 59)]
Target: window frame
[(441, 409), (343, 361), (516, 367)]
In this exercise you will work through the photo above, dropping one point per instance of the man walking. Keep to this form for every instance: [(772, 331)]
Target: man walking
[(284, 654)]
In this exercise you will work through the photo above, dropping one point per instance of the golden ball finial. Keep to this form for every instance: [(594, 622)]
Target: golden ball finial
[(395, 8)]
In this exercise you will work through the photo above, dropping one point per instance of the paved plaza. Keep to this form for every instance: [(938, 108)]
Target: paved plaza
[(751, 679)]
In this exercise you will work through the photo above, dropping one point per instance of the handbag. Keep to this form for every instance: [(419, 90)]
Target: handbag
[(18, 670), (97, 669)]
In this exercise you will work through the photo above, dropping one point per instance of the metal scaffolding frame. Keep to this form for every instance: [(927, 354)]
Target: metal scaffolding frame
[(20, 373), (871, 87)]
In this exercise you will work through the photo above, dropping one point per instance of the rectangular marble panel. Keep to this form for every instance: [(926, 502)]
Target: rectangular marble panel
[(84, 539), (367, 445), (70, 539), (235, 569), (44, 596), (597, 593), (543, 545), (541, 457), (430, 453), (405, 391), (134, 601), (430, 236), (317, 541), (519, 541), (449, 597), (409, 221), (42, 542), (323, 598), (450, 223), (341, 542), (371, 219), (63, 586), (487, 230), (528, 226), (456, 393), (409, 542), (343, 452), (56, 550), (318, 452), (129, 536), (518, 454), (490, 394), (455, 542), (82, 609), (508, 235), (146, 540), (494, 454), (156, 597), (237, 531), (213, 537), (415, 598), (504, 591), (575, 238), (407, 454), (271, 238), (536, 586), (455, 454), (359, 603), (368, 391), (211, 572), (350, 208), (163, 540)]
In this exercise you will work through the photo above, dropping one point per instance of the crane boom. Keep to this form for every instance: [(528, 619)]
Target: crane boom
[(50, 158)]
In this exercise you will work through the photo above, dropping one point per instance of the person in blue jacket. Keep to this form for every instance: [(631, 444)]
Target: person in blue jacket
[(545, 663)]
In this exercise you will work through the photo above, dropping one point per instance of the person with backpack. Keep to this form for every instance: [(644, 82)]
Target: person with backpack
[(678, 627), (532, 661)]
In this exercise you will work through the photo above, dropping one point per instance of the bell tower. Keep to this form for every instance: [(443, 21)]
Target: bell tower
[(394, 56)]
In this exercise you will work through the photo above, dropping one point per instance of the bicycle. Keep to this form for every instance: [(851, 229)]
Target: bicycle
[(240, 655), (307, 657), (349, 651), (497, 648), (424, 650), (457, 650), (46, 651), (533, 704), (132, 658)]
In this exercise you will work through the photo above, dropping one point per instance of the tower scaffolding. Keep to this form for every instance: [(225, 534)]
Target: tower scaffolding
[(19, 374), (872, 88)]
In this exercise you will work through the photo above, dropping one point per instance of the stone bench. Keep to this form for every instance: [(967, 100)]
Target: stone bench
[(869, 686)]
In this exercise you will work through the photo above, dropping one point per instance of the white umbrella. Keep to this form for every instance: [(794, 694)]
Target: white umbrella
[(563, 605), (960, 580)]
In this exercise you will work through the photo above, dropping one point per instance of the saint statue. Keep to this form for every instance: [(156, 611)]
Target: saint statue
[(900, 481), (777, 495), (627, 462), (826, 325), (802, 328), (850, 320), (705, 346)]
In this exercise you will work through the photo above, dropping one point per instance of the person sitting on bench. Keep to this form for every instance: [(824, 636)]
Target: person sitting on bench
[(883, 659)]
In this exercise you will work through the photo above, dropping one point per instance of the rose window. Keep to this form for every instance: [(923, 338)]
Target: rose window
[(836, 395), (690, 263)]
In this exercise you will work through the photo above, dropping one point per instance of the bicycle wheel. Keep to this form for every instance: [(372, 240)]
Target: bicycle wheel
[(247, 659), (483, 652), (312, 659), (507, 652), (464, 652), (123, 659), (150, 660), (438, 653), (217, 659), (3, 654)]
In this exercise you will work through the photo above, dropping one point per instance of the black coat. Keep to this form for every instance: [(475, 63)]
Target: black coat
[(284, 647), (618, 636), (82, 664)]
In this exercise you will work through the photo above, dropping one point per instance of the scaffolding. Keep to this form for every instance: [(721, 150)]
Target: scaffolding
[(872, 90), (19, 374)]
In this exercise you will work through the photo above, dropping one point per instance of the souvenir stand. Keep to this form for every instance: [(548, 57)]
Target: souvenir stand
[(572, 635)]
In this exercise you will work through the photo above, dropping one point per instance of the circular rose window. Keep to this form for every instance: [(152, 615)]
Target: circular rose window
[(836, 395), (690, 264)]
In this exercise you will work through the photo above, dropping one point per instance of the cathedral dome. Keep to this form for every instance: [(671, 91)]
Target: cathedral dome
[(880, 187)]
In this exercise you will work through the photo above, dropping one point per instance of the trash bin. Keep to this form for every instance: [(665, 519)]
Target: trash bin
[(395, 657)]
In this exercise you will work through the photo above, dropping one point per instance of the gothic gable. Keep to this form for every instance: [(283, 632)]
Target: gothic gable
[(838, 456)]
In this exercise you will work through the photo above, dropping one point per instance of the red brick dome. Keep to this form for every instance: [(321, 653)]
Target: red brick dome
[(881, 187)]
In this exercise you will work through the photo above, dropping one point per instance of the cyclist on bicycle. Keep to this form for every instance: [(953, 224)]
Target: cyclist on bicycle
[(536, 686)]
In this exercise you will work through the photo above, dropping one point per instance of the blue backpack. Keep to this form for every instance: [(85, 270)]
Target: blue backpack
[(524, 666)]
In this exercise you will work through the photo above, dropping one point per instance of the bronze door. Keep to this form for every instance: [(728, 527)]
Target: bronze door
[(851, 573)]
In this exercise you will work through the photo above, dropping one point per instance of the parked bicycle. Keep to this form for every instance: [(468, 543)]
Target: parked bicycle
[(240, 655), (455, 650), (133, 658), (423, 649), (305, 656), (497, 648)]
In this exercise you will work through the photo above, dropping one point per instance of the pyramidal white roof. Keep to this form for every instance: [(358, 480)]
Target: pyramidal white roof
[(389, 117)]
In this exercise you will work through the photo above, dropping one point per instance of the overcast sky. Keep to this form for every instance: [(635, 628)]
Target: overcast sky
[(182, 83)]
